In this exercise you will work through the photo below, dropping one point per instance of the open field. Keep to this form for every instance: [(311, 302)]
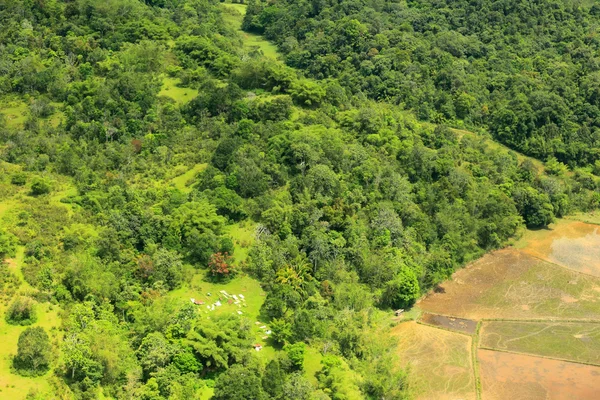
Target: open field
[(570, 341), (510, 284), (574, 245), (538, 304), (515, 376), (439, 361), (183, 181), (181, 95), (234, 14)]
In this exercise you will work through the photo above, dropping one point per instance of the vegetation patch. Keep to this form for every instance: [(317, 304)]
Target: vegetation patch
[(569, 341), (172, 88)]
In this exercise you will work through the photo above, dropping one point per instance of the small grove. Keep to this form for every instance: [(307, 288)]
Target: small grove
[(358, 206)]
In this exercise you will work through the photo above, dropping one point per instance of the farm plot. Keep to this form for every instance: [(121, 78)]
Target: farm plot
[(569, 341), (439, 361), (517, 376), (510, 284), (574, 245), (454, 324)]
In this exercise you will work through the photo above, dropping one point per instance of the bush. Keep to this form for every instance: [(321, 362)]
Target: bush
[(19, 179), (21, 312), (40, 187), (34, 352)]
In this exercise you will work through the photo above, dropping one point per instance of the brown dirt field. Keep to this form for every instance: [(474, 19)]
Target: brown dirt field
[(515, 376), (574, 245), (511, 284), (439, 362), (455, 324)]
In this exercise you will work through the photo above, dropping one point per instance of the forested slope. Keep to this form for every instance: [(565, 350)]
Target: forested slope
[(140, 140), (526, 70)]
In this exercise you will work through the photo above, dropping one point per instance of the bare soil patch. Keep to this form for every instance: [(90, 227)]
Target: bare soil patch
[(515, 376), (455, 324)]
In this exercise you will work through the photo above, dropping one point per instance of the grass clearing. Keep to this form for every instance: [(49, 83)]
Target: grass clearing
[(15, 113), (12, 386), (515, 376), (242, 235), (247, 306), (186, 179), (234, 14), (439, 361), (181, 95), (569, 341)]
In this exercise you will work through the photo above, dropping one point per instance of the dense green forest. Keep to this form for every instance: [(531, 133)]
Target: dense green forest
[(526, 70), (147, 146)]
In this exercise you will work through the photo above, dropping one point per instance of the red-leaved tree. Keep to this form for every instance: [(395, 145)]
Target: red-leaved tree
[(220, 266)]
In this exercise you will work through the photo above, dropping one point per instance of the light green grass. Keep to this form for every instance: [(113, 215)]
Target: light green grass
[(592, 217), (15, 113), (234, 14), (569, 341), (184, 181), (12, 386), (242, 235), (312, 364), (181, 95)]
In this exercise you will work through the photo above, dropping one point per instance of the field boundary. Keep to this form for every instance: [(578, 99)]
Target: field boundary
[(536, 320), (475, 360), (539, 356)]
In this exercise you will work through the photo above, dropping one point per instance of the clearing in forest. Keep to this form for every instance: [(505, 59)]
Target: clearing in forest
[(517, 376), (234, 15), (439, 361)]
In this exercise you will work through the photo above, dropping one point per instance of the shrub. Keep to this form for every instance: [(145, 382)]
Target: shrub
[(21, 312), (19, 179), (40, 187), (34, 352), (220, 266)]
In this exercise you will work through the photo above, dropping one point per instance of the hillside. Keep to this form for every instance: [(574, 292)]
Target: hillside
[(177, 192)]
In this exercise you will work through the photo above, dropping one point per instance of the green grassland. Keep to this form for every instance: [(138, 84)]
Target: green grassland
[(184, 180), (14, 386), (15, 113), (171, 89), (569, 341), (234, 14)]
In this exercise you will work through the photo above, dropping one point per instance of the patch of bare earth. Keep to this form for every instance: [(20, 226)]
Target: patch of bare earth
[(516, 376)]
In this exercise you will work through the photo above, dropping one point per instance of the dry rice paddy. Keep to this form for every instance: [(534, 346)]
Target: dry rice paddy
[(527, 318)]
